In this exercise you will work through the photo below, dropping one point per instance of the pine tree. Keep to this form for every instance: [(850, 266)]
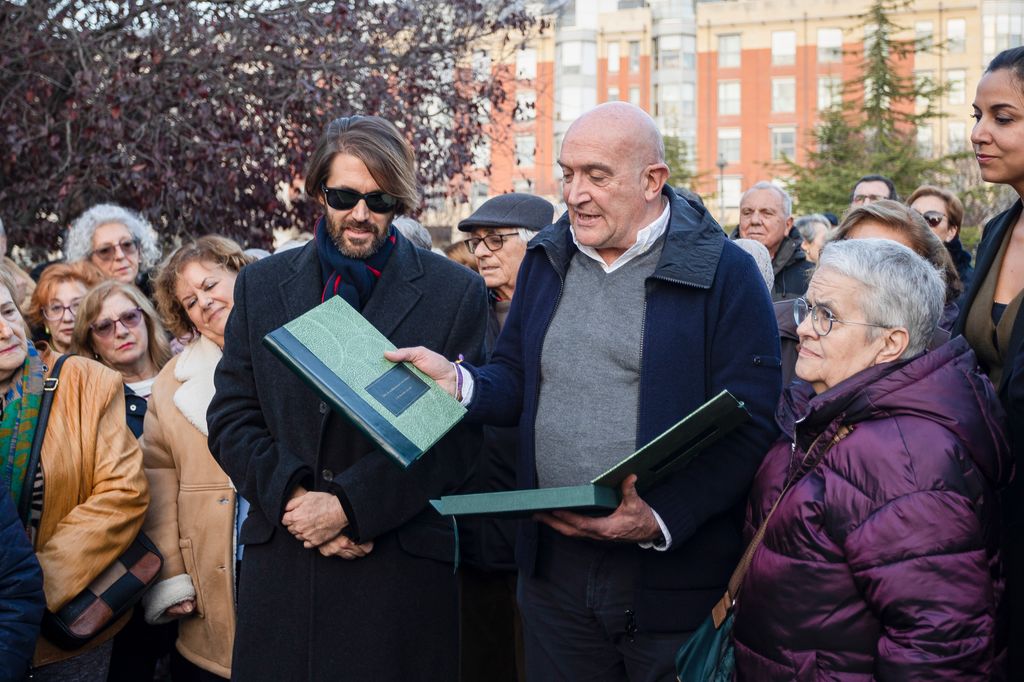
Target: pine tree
[(873, 128)]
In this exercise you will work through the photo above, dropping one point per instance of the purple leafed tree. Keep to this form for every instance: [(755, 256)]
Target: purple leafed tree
[(198, 113)]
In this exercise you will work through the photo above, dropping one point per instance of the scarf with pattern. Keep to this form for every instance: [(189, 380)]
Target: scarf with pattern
[(18, 425), (351, 278)]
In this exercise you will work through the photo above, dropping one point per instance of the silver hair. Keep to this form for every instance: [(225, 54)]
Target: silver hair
[(901, 289), (413, 231), (787, 201), (763, 259), (525, 234), (805, 225), (78, 245)]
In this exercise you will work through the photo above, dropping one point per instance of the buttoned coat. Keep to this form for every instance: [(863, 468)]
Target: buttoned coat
[(392, 615)]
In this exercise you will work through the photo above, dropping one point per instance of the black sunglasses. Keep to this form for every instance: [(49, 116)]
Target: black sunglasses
[(344, 199), (933, 218)]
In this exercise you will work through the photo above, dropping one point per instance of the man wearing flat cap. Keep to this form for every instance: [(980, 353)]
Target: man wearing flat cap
[(491, 634)]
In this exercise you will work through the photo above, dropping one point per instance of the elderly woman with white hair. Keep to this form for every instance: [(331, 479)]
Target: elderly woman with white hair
[(120, 242), (879, 556)]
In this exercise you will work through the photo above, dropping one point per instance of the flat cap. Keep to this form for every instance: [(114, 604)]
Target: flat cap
[(510, 210)]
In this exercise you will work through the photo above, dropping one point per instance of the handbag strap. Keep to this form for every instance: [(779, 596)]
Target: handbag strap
[(721, 610), (49, 387)]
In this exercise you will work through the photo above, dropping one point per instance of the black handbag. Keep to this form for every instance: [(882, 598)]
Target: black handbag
[(114, 591)]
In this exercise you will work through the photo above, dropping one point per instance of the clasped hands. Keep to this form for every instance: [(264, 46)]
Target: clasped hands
[(317, 519)]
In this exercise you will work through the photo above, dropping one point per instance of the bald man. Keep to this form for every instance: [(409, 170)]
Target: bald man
[(633, 310)]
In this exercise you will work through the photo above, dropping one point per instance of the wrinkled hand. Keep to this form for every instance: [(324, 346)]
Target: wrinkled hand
[(632, 521), (345, 547), (430, 363), (314, 518), (182, 608)]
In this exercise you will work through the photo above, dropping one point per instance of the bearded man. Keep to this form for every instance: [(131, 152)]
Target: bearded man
[(347, 571)]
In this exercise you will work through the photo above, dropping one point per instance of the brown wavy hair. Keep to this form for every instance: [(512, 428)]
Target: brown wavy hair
[(159, 349), (209, 249)]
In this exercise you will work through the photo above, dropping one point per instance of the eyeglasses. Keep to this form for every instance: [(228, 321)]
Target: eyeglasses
[(867, 198), (822, 318), (344, 199), (933, 218), (55, 311), (129, 247), (493, 242), (128, 319)]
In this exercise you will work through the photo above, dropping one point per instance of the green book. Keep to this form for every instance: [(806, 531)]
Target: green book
[(672, 450), (341, 356)]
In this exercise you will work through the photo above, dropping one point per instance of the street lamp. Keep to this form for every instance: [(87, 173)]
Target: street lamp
[(721, 163)]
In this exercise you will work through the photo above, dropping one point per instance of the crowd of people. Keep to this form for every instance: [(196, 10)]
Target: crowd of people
[(871, 492)]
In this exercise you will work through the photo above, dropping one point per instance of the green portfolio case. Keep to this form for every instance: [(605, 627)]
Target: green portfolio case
[(341, 356), (667, 453)]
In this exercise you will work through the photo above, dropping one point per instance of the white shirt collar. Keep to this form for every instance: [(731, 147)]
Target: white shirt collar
[(645, 239)]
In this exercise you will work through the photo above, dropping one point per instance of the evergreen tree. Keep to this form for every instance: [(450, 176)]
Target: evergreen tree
[(873, 128)]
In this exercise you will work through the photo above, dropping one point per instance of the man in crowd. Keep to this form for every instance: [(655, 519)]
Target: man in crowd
[(630, 312), (491, 632), (766, 217), (347, 571), (872, 188)]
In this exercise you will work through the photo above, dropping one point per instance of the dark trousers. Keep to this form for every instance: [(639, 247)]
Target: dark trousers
[(491, 634), (579, 621), (138, 647)]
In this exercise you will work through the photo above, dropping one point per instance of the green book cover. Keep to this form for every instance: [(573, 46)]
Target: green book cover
[(341, 356), (669, 452)]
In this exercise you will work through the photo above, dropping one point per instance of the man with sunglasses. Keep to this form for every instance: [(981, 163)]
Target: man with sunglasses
[(630, 312), (347, 572)]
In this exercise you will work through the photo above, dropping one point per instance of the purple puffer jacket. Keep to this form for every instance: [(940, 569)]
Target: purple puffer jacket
[(882, 562)]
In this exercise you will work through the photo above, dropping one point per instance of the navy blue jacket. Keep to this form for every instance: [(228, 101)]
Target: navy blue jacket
[(21, 593), (708, 325)]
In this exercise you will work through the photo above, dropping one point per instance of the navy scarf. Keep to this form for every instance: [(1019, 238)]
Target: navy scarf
[(351, 278)]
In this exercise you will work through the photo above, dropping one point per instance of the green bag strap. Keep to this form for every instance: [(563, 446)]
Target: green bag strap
[(49, 386), (721, 610)]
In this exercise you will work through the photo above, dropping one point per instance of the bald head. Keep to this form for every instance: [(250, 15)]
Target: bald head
[(624, 128)]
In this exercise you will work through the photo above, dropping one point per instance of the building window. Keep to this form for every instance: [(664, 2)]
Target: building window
[(613, 94), (783, 47), (956, 136), (924, 34), (482, 153), (830, 45), (957, 81), (670, 52), (732, 190), (923, 80), (728, 98), (578, 58), (572, 101), (522, 186), (526, 147), (634, 56), (925, 140), (956, 36), (689, 53), (830, 92), (478, 194), (783, 95), (729, 144), (687, 99), (729, 51), (1003, 31), (526, 64), (783, 143), (667, 104), (526, 105), (634, 96), (613, 57), (481, 65)]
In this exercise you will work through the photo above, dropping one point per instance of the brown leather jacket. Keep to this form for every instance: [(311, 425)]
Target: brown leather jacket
[(192, 518), (95, 492)]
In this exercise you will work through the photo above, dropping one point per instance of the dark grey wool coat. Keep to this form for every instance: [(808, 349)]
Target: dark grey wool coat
[(392, 615)]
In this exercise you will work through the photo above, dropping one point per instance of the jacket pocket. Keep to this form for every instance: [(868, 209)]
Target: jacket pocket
[(428, 538), (189, 557)]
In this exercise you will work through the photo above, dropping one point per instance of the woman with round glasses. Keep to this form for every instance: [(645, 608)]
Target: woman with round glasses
[(881, 558), (944, 213), (87, 498), (54, 305), (992, 315), (195, 513), (119, 327), (120, 242)]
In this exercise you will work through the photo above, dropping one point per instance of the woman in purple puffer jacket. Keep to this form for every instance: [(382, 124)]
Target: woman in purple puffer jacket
[(881, 563)]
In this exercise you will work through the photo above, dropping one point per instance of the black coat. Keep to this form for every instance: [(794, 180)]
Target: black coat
[(393, 614), (1011, 386)]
